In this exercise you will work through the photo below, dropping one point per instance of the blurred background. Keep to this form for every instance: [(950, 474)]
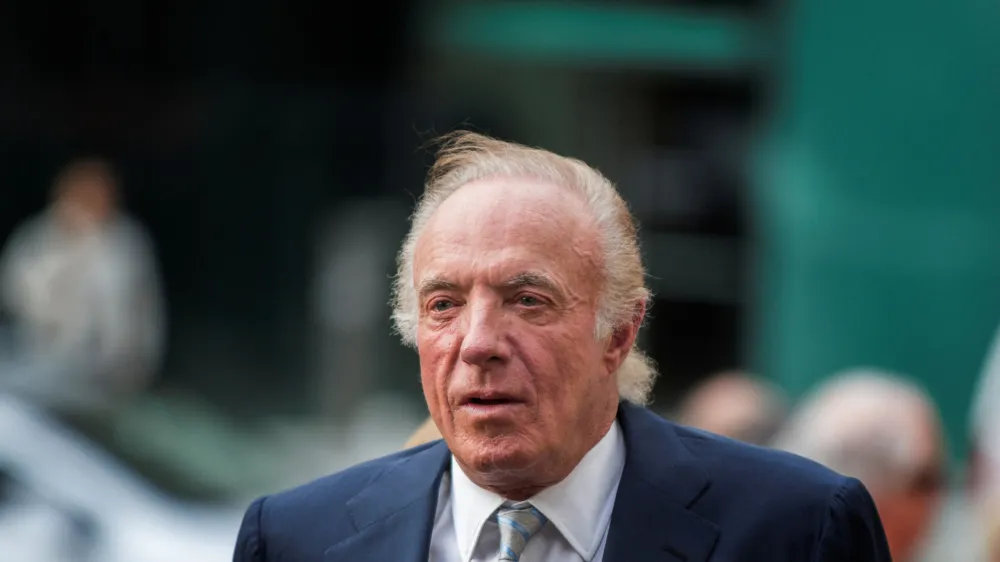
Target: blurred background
[(201, 204)]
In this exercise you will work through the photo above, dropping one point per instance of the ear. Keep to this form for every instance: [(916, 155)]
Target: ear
[(623, 338)]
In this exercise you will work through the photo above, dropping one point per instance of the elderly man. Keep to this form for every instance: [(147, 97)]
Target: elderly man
[(522, 288), (886, 432)]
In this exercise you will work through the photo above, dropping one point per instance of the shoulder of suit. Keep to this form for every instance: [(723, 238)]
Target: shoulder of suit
[(337, 488), (754, 466)]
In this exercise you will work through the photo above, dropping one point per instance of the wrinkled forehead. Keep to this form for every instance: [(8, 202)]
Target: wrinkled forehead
[(502, 227)]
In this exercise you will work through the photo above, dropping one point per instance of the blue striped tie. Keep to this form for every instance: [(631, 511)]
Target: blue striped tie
[(518, 522)]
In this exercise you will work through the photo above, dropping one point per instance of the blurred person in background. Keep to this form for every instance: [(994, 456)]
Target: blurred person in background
[(354, 254), (984, 424), (981, 501), (80, 285), (522, 287), (885, 431), (736, 405), (969, 527), (991, 543)]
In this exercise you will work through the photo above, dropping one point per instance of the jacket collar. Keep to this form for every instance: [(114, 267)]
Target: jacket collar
[(651, 522), (394, 514)]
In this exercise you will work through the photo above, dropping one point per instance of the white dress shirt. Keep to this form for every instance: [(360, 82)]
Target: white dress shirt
[(578, 508)]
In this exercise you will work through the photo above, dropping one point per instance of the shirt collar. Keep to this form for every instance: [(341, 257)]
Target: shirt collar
[(579, 507)]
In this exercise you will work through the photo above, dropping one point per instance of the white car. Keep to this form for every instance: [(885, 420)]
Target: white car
[(63, 498)]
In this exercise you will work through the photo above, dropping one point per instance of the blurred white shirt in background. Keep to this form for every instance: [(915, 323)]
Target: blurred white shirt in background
[(87, 312)]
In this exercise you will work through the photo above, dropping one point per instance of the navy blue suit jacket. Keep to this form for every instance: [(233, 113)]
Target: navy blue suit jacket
[(684, 495)]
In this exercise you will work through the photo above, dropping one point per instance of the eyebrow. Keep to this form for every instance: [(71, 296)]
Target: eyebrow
[(433, 284), (531, 279), (517, 281)]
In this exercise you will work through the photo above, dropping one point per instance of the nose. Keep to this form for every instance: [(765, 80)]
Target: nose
[(484, 342)]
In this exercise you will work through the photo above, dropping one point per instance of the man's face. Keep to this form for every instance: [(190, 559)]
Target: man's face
[(86, 202), (508, 277)]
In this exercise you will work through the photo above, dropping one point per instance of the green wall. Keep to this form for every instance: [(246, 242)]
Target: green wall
[(879, 196)]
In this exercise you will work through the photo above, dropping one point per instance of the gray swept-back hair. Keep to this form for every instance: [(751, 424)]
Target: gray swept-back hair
[(465, 157)]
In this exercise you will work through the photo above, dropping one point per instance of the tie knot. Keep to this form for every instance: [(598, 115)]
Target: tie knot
[(518, 523)]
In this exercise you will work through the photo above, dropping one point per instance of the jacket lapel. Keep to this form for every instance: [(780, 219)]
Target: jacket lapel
[(652, 520), (395, 513)]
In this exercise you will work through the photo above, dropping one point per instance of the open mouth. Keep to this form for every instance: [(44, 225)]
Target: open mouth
[(490, 398), (490, 401)]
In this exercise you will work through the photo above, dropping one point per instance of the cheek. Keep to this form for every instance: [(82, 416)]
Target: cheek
[(430, 373), (434, 384), (436, 361), (560, 365)]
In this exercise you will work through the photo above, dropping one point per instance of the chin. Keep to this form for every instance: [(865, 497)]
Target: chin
[(501, 453)]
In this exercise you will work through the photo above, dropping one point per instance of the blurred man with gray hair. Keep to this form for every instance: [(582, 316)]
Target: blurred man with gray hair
[(885, 431), (736, 405)]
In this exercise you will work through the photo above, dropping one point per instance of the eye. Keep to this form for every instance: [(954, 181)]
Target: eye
[(528, 300), (441, 305)]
